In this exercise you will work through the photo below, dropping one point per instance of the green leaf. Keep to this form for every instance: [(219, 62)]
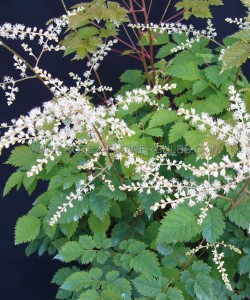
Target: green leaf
[(214, 75), (100, 206), (177, 130), (97, 225), (236, 55), (212, 105), (49, 230), (77, 281), (186, 71), (243, 35), (133, 77), (198, 8), (90, 295), (118, 287), (69, 228), (87, 242), (112, 275), (199, 86), (88, 256), (240, 215), (136, 247), (203, 287), (70, 251), (26, 229), (178, 225), (39, 210), (63, 294), (22, 156), (194, 138), (174, 294), (213, 225), (146, 263), (149, 286), (87, 32), (62, 274), (201, 267), (15, 179), (244, 264), (165, 50), (162, 117), (158, 132), (32, 247)]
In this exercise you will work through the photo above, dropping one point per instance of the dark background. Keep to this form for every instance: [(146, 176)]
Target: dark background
[(29, 278)]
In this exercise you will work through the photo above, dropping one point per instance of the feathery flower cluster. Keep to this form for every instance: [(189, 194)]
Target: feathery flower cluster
[(19, 31), (142, 95), (218, 258), (8, 85), (243, 23), (99, 55), (192, 34)]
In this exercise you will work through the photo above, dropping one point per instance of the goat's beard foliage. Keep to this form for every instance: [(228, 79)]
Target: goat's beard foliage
[(157, 171)]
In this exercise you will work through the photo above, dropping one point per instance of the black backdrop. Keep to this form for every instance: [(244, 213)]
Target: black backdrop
[(29, 278)]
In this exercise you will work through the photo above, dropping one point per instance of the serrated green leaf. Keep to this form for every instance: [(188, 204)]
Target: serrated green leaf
[(198, 8), (174, 293), (120, 286), (77, 281), (178, 225), (30, 184), (244, 264), (158, 132), (199, 86), (70, 251), (90, 295), (15, 179), (88, 256), (213, 225), (146, 263), (112, 275), (62, 274), (194, 138), (162, 117), (214, 75), (100, 206), (136, 247), (49, 230), (203, 287), (165, 50), (240, 215), (87, 32), (97, 225), (201, 267), (32, 247), (87, 242), (22, 156), (102, 257), (187, 71), (243, 35), (236, 55), (133, 77), (39, 210), (26, 229), (63, 294), (149, 286), (69, 228), (177, 130), (231, 149)]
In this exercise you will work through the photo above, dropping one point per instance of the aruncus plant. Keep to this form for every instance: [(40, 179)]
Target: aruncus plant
[(148, 188)]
